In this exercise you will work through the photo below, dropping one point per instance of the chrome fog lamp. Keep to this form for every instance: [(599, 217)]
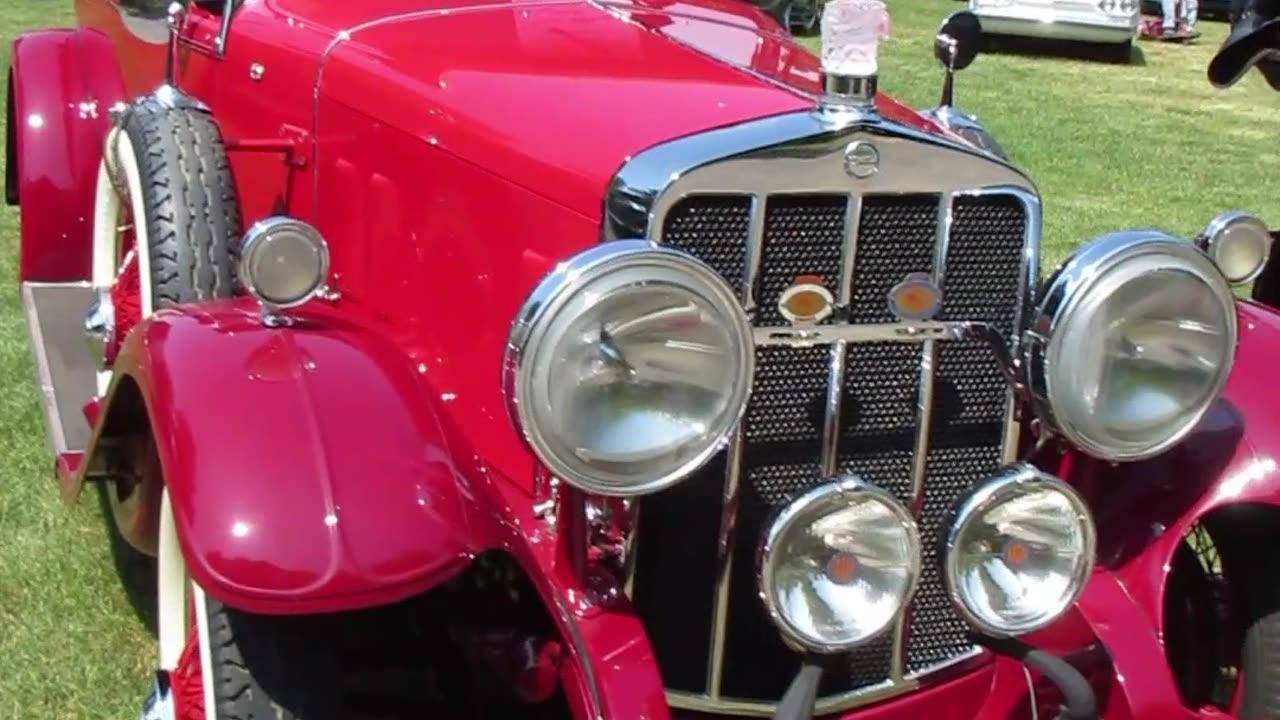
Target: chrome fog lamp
[(283, 262), (628, 367), (837, 564), (1131, 344), (1019, 550), (1239, 244)]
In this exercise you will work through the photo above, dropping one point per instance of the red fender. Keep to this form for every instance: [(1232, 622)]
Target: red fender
[(1144, 509), (307, 466), (61, 83)]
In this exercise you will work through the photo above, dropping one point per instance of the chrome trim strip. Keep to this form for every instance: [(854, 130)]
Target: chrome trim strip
[(631, 533), (924, 419), (799, 151), (724, 565), (824, 706), (753, 253), (830, 460), (580, 651), (1026, 290), (839, 350), (909, 332), (733, 467)]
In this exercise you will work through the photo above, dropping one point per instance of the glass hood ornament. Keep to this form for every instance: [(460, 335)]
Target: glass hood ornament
[(851, 34)]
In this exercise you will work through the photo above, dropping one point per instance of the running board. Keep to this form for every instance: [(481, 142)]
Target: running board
[(65, 372)]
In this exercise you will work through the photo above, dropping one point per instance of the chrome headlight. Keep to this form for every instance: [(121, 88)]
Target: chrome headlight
[(1132, 343), (1239, 245), (628, 367), (283, 262), (837, 564), (1018, 552)]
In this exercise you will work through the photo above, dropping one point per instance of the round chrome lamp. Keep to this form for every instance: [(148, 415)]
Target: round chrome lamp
[(1131, 344), (628, 367), (283, 262), (1019, 549), (1239, 244), (837, 564)]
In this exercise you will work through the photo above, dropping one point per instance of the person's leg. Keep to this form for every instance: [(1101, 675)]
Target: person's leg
[(1168, 14), (1191, 10)]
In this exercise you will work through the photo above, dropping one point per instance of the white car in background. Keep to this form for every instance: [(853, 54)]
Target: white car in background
[(1110, 23)]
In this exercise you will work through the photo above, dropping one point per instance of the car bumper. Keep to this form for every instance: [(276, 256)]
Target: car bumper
[(1052, 23)]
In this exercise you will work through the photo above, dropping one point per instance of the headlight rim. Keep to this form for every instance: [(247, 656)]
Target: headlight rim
[(782, 520), (982, 498), (560, 286), (1069, 285)]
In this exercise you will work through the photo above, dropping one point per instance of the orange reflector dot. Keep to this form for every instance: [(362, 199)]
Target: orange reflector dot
[(841, 568), (806, 304), (1015, 553)]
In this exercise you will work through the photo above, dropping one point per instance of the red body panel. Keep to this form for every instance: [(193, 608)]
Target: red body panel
[(60, 120), (323, 474), (1231, 458)]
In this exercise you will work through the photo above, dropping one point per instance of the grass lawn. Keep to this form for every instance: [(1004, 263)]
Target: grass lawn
[(1148, 144)]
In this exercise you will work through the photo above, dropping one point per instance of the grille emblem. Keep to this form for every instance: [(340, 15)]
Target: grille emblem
[(915, 298), (861, 160), (806, 301)]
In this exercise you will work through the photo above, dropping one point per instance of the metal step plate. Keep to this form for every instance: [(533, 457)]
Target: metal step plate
[(66, 374)]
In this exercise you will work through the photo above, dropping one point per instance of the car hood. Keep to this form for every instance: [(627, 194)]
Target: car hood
[(555, 95)]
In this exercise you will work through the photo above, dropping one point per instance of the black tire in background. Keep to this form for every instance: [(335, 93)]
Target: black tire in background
[(1260, 657)]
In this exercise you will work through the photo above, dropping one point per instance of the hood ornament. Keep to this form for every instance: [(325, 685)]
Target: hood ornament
[(851, 34)]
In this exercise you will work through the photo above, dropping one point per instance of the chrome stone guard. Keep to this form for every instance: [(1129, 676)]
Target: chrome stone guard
[(805, 152)]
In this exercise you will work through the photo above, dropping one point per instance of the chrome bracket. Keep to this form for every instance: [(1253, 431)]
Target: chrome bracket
[(847, 99), (546, 497), (168, 94), (99, 326), (1009, 366)]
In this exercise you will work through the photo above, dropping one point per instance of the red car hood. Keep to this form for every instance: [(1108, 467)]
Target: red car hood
[(555, 95)]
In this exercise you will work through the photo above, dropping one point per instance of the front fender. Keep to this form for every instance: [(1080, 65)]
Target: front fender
[(1230, 459), (307, 467), (61, 83)]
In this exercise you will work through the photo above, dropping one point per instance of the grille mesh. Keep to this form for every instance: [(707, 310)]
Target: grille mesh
[(896, 236), (878, 425), (803, 235)]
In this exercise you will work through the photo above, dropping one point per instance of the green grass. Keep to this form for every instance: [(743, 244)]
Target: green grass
[(1110, 146)]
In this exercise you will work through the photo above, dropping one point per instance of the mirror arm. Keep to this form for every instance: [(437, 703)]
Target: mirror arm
[(948, 81)]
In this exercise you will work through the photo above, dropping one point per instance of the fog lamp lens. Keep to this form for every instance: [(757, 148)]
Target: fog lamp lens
[(1019, 550), (283, 262), (837, 564), (1239, 244)]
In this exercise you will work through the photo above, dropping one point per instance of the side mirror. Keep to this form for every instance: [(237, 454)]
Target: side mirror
[(956, 46)]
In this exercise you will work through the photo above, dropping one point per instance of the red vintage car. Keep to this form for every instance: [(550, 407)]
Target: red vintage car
[(621, 360)]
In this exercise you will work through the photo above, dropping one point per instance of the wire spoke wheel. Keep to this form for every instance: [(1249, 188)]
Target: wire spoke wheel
[(1201, 638)]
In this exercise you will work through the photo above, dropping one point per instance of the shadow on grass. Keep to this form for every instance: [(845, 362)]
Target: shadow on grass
[(137, 572), (1038, 47)]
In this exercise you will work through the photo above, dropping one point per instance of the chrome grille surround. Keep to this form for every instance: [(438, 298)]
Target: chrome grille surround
[(804, 154)]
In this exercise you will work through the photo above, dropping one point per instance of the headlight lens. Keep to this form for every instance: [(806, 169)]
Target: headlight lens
[(283, 262), (1134, 341), (628, 367), (1019, 551), (837, 565)]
